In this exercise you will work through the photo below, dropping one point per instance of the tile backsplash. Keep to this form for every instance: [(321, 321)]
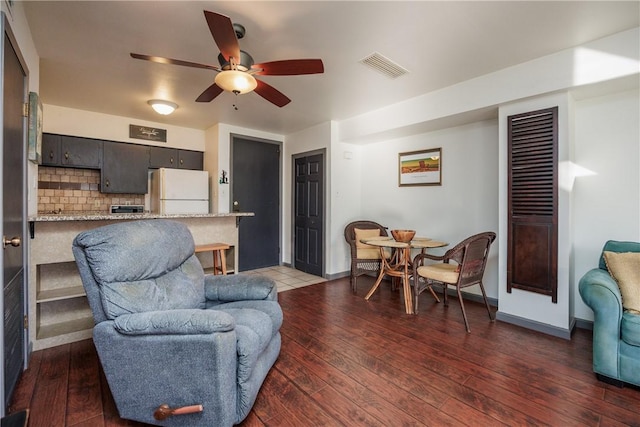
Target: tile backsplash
[(69, 190)]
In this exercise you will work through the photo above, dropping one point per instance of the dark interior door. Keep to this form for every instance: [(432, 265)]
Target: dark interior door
[(309, 214), (255, 182), (13, 221)]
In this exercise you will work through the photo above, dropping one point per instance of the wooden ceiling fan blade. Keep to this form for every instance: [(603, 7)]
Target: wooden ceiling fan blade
[(271, 94), (209, 93), (290, 67), (224, 35), (163, 60)]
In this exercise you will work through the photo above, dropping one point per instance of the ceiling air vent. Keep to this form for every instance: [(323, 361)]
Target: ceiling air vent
[(384, 65)]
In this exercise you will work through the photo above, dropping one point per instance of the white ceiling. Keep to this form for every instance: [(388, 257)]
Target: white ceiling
[(85, 64)]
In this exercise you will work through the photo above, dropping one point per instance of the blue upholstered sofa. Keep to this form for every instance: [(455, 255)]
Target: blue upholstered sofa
[(616, 333), (167, 334)]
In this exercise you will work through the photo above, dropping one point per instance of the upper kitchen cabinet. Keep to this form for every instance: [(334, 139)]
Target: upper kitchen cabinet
[(71, 151), (161, 157), (80, 152), (190, 160), (51, 149), (124, 168)]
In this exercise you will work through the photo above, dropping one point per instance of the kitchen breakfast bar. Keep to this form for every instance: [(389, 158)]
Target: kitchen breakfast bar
[(58, 309)]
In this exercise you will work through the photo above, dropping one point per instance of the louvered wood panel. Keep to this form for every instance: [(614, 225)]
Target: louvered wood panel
[(533, 202)]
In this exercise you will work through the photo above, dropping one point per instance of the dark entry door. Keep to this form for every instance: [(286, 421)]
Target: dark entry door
[(309, 214), (255, 182), (13, 214)]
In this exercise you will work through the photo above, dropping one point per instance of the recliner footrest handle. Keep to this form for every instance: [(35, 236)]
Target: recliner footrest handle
[(164, 411)]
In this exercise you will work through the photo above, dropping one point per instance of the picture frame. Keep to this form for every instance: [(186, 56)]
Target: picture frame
[(423, 167), (35, 128)]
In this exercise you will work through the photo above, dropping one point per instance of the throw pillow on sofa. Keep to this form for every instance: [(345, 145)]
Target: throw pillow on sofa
[(624, 267)]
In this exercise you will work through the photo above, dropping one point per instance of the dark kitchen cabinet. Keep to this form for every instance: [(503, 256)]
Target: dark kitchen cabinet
[(80, 152), (71, 151), (124, 168), (190, 160), (161, 157), (51, 149)]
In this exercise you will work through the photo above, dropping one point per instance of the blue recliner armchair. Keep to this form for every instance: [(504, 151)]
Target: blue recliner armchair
[(616, 333), (166, 334)]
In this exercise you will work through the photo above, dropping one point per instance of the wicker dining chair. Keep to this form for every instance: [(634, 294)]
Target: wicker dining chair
[(470, 258), (364, 260)]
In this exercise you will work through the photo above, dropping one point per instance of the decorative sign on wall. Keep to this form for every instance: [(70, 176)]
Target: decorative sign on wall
[(147, 133), (35, 128)]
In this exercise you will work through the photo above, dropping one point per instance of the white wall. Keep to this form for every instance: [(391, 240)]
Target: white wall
[(607, 197), (465, 204), (346, 200), (71, 121)]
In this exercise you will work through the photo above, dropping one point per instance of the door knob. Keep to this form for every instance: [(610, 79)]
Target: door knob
[(13, 242)]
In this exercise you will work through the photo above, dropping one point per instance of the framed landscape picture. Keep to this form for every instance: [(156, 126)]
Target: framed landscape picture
[(422, 167)]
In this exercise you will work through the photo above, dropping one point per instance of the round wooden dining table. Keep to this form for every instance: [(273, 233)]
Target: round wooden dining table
[(400, 262)]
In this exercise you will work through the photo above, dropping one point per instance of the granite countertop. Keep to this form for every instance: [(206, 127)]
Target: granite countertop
[(101, 216)]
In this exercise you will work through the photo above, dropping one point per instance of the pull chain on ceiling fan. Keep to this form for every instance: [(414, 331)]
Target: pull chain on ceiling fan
[(237, 70)]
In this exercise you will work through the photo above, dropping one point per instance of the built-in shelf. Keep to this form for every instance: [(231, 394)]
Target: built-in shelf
[(60, 294), (63, 328)]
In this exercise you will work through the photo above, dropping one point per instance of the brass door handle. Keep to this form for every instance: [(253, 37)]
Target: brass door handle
[(16, 241)]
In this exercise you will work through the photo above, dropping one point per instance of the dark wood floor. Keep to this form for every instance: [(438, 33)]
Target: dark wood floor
[(346, 361)]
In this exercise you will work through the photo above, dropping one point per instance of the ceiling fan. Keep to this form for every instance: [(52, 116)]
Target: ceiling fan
[(237, 69)]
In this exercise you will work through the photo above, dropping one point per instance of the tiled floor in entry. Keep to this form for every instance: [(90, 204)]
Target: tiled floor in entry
[(288, 278)]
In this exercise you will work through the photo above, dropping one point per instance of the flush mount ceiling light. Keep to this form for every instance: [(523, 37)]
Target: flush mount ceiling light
[(236, 81), (163, 107)]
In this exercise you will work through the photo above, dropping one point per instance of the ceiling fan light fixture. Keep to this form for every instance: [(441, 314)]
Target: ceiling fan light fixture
[(236, 81), (162, 107)]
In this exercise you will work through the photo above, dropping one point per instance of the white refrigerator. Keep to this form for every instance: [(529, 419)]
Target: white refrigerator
[(179, 191)]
